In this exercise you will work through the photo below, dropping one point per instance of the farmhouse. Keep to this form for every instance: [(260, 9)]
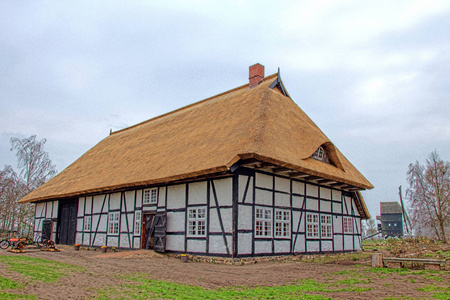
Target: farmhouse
[(243, 173)]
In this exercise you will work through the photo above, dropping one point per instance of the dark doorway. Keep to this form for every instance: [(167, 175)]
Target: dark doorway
[(67, 222), (47, 230), (154, 231), (148, 232)]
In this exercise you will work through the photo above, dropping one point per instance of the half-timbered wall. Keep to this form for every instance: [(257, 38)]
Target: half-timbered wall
[(270, 193), (45, 211), (246, 214)]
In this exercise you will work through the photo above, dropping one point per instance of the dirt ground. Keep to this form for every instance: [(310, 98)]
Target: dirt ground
[(102, 270)]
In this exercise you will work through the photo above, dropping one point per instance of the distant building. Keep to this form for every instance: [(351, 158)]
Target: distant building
[(391, 218)]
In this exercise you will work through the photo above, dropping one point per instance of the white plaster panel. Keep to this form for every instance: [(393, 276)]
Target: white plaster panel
[(357, 243), (300, 244), (139, 198), (282, 184), (336, 195), (337, 207), (88, 205), (80, 213), (298, 187), (327, 246), (197, 192), (312, 190), (263, 197), (162, 196), (337, 224), (98, 202), (129, 196), (355, 209), (312, 204), (137, 243), (149, 208), (296, 218), (86, 239), (196, 246), (242, 184), (224, 191), (245, 217), (312, 246), (114, 201), (55, 209), (103, 223), (100, 240), (325, 193), (244, 243), (113, 241), (176, 195), (356, 225), (338, 243), (226, 214), (348, 205), (37, 225), (49, 210), (217, 244), (325, 206), (264, 181), (348, 242), (282, 246), (282, 200), (123, 222), (297, 202), (175, 242), (79, 238), (175, 221), (124, 241), (40, 210), (263, 246), (80, 222)]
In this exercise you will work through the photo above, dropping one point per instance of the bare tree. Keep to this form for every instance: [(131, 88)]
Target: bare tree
[(35, 169), (369, 227), (429, 194)]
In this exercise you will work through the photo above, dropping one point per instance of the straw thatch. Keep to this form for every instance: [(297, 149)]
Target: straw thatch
[(204, 138)]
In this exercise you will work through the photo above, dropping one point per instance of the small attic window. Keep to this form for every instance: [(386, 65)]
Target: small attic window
[(319, 154)]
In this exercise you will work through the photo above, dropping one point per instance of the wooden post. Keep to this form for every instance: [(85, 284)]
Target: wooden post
[(377, 260)]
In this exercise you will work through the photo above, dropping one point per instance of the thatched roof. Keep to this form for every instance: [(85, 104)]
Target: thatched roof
[(390, 208), (206, 137)]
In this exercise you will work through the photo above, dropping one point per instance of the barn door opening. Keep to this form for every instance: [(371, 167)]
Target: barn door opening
[(154, 233), (67, 222), (47, 230), (148, 231)]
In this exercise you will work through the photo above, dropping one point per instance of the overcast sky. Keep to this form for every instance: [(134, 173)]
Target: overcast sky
[(373, 75)]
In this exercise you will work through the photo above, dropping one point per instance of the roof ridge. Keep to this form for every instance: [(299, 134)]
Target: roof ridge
[(190, 105)]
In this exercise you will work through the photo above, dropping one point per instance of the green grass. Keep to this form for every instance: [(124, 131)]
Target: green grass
[(15, 296), (142, 287), (8, 284), (38, 269)]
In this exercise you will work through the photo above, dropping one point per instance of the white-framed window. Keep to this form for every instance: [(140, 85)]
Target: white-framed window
[(325, 226), (197, 221), (263, 219), (87, 223), (113, 222), (151, 196), (312, 225), (348, 225), (282, 223), (137, 222), (318, 154)]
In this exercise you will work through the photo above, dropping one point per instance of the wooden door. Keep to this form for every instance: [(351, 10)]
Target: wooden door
[(67, 225), (148, 230), (47, 229), (160, 232)]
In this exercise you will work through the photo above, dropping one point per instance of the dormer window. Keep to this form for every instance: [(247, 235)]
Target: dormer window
[(319, 154)]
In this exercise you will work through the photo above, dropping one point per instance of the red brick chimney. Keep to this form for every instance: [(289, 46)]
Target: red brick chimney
[(255, 75)]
